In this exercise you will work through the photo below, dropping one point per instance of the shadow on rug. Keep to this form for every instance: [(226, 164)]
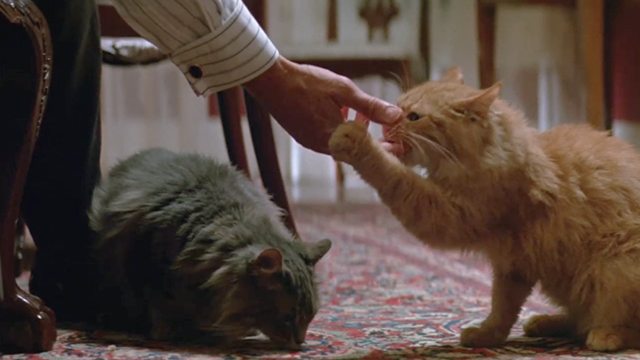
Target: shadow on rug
[(385, 296)]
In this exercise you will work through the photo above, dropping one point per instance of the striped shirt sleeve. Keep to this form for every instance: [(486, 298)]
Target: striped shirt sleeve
[(217, 44)]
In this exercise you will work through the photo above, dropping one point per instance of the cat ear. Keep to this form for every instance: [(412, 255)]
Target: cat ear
[(453, 75), (481, 103), (316, 250), (269, 261)]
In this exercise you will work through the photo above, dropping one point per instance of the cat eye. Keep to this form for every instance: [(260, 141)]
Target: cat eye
[(413, 116)]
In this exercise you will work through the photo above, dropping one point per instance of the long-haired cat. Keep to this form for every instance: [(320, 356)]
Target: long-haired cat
[(560, 207), (191, 250)]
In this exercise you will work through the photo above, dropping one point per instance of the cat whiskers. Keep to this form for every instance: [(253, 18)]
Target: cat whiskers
[(444, 151), (400, 135), (394, 134), (393, 131), (414, 145), (402, 82)]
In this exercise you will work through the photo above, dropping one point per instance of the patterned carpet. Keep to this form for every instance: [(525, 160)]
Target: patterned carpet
[(385, 296)]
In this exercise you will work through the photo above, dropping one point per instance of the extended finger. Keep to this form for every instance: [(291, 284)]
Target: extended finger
[(376, 110)]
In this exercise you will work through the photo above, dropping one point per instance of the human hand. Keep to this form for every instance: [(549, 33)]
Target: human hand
[(307, 101)]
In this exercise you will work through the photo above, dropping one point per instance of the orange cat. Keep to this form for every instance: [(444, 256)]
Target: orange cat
[(560, 208)]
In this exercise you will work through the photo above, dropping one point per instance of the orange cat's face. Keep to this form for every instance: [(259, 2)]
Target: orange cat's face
[(447, 122)]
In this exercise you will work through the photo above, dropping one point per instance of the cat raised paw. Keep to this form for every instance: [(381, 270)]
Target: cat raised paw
[(481, 337), (347, 140)]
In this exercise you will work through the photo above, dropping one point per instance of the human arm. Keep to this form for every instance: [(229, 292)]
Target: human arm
[(217, 44)]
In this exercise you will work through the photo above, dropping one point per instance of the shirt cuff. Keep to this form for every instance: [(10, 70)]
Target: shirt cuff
[(236, 52)]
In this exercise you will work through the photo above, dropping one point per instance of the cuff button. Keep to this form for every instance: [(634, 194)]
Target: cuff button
[(195, 71)]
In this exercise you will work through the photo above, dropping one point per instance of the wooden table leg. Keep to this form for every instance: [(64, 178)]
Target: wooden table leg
[(486, 22), (591, 19), (611, 7)]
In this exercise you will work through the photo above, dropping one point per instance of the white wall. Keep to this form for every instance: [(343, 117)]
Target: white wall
[(155, 106)]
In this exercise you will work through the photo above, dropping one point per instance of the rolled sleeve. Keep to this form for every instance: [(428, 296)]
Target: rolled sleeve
[(233, 54), (216, 44)]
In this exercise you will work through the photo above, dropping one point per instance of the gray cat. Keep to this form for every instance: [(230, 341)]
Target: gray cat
[(190, 249)]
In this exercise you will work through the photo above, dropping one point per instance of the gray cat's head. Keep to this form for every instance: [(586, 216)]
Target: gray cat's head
[(267, 288)]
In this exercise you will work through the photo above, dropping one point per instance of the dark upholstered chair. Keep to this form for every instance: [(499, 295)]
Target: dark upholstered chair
[(26, 324)]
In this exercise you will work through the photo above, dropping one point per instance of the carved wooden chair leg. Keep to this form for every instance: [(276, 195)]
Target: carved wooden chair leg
[(340, 182), (229, 103), (18, 257), (26, 324), (265, 149)]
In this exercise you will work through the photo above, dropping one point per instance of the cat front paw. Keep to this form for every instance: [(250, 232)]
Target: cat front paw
[(604, 339), (347, 140), (482, 337)]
